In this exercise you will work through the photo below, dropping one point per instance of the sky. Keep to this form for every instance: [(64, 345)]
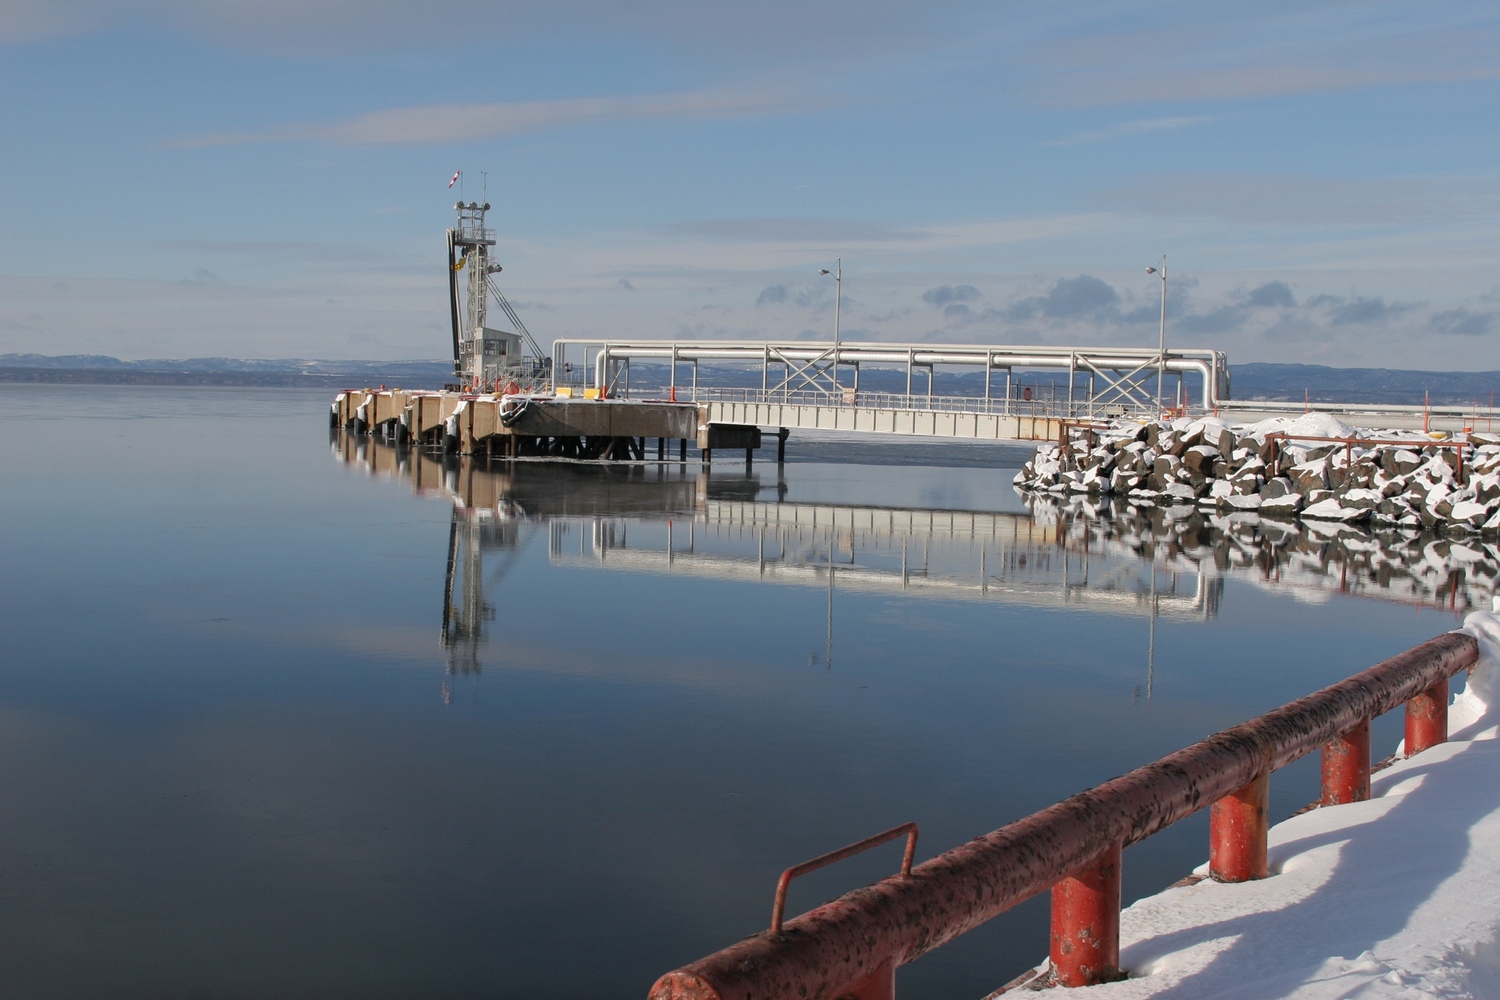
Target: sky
[(269, 178)]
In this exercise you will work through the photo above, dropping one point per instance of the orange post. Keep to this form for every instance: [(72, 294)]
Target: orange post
[(1427, 719), (880, 986), (1237, 828), (1346, 767), (1086, 923)]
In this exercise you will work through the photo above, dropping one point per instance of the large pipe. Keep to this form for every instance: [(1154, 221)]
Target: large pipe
[(1205, 363), (453, 300)]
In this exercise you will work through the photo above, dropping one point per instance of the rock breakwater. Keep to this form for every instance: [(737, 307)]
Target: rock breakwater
[(1313, 467)]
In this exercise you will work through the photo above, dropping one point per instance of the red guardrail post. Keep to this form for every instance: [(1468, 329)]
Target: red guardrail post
[(1086, 923), (1346, 767), (1427, 718), (1237, 828)]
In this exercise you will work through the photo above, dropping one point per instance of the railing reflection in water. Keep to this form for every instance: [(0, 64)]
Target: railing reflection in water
[(1078, 556)]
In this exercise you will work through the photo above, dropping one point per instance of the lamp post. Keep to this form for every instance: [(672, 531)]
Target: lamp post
[(1161, 350), (838, 296)]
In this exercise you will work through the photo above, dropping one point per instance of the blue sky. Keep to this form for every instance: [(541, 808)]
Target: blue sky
[(268, 179)]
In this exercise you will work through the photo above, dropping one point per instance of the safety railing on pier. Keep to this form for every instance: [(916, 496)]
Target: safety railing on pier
[(1042, 403), (852, 946), (1024, 404)]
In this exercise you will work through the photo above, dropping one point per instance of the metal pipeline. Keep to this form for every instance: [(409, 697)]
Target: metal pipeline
[(1207, 364), (834, 949)]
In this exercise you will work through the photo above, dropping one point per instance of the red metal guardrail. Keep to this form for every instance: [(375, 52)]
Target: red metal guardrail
[(1350, 443), (852, 946)]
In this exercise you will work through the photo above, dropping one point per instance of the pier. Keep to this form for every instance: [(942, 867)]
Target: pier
[(607, 400), (513, 426)]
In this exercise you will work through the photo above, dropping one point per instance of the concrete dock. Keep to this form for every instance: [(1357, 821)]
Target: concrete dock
[(547, 425), (517, 425)]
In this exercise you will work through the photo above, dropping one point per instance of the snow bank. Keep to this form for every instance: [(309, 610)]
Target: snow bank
[(1397, 897), (1308, 425), (1482, 692)]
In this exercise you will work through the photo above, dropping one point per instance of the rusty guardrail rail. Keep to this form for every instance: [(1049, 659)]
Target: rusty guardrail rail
[(852, 946)]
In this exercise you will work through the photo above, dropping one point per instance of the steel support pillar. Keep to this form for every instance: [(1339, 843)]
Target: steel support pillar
[(1427, 719), (1346, 767), (1086, 923), (880, 986), (1237, 828)]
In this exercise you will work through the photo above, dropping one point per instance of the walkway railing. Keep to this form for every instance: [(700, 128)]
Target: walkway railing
[(852, 946), (1040, 406)]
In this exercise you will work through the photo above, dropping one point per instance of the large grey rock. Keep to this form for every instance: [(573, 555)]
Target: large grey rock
[(1200, 459), (1332, 510), (1277, 488), (1285, 505)]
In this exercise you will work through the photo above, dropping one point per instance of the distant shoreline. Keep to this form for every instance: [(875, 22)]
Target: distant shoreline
[(131, 376), (1252, 381)]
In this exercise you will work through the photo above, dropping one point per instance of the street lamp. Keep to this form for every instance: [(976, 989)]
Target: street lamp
[(1161, 351), (838, 295)]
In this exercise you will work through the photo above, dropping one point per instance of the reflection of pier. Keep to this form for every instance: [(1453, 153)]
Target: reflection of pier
[(675, 518), (618, 517), (465, 611), (1005, 558), (667, 519)]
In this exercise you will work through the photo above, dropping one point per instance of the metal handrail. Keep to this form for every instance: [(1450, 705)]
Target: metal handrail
[(853, 944), (778, 907), (920, 402)]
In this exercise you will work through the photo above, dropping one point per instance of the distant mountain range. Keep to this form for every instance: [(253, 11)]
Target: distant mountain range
[(1256, 381), (1366, 385), (103, 369)]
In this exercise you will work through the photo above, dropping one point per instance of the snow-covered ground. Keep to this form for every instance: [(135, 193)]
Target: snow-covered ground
[(1397, 897)]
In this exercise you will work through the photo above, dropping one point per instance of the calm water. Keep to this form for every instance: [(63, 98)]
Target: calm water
[(260, 739)]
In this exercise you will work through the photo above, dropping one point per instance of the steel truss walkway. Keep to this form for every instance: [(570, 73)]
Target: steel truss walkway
[(826, 386)]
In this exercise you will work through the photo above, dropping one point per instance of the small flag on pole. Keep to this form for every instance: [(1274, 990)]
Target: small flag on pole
[(454, 180)]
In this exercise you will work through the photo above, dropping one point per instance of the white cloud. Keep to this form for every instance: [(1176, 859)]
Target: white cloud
[(1121, 129), (818, 231), (766, 31), (443, 123), (1199, 53), (1239, 83), (1309, 201)]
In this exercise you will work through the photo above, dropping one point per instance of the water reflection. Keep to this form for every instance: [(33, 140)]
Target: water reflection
[(1314, 562), (734, 526), (678, 519)]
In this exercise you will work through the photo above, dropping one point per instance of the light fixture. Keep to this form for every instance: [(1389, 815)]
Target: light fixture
[(838, 296)]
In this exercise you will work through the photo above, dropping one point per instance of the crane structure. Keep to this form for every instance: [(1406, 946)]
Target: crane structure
[(485, 357)]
